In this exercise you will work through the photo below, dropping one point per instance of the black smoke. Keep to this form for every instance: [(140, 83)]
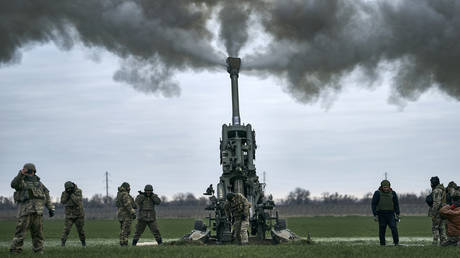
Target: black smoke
[(313, 45)]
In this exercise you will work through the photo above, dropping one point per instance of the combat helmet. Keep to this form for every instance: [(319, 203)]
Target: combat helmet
[(30, 166), (230, 196), (148, 188), (68, 185)]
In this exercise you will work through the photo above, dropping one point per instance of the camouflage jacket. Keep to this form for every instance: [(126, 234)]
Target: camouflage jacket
[(31, 195), (146, 206), (73, 204), (125, 204), (238, 208), (439, 199)]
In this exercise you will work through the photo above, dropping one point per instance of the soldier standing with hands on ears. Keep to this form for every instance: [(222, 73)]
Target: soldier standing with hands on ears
[(74, 214), (31, 196), (146, 202)]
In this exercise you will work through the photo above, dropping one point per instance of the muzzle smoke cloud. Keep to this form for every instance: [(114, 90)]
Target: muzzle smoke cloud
[(314, 44)]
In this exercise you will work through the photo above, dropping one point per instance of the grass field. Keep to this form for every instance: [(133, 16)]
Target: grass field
[(332, 236)]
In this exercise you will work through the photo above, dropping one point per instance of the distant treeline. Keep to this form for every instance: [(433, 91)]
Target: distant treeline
[(297, 203)]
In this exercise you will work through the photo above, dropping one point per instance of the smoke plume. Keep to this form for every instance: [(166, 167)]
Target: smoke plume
[(313, 45)]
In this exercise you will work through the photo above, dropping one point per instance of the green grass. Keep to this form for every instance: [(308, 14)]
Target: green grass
[(319, 227)]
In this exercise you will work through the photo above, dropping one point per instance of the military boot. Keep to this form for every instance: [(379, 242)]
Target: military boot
[(83, 243), (159, 241), (135, 242), (63, 242)]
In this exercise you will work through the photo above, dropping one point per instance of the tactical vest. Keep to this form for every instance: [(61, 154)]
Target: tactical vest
[(385, 202), (32, 190), (146, 204)]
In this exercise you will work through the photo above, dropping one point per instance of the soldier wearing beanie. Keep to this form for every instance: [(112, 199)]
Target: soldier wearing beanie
[(385, 207)]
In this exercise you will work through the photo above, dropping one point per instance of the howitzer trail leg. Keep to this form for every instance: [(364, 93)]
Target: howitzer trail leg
[(36, 229), (21, 228)]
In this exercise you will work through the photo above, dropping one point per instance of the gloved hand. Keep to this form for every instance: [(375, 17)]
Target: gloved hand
[(51, 213), (133, 216), (397, 218), (376, 218)]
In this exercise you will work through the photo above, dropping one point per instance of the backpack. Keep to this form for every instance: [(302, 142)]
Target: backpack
[(429, 200)]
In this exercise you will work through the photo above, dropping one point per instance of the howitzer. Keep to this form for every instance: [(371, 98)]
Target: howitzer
[(237, 155)]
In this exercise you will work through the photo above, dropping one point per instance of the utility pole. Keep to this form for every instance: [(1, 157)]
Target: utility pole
[(106, 185), (386, 176)]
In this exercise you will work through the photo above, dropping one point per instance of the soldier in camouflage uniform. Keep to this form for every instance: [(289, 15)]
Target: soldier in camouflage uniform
[(31, 196), (439, 199), (237, 210), (126, 212), (450, 190), (71, 198), (146, 202)]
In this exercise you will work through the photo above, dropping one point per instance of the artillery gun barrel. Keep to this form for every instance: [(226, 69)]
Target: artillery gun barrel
[(233, 68)]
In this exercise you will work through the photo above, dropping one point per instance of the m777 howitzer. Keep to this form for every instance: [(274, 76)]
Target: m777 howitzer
[(237, 155)]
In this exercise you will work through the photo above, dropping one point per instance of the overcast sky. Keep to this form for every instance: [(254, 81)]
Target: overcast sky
[(338, 92), (62, 111)]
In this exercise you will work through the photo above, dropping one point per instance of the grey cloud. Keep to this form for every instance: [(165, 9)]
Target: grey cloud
[(316, 44)]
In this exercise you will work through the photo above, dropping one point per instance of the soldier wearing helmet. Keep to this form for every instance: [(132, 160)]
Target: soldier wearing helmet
[(146, 202), (71, 198), (438, 227), (126, 212), (31, 196)]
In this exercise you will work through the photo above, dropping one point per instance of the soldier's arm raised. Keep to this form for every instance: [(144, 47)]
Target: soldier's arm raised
[(76, 196), (156, 199), (18, 182), (64, 197)]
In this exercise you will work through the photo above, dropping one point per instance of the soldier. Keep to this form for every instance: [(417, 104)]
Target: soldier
[(439, 199), (126, 212), (71, 198), (450, 190), (237, 210), (452, 214), (385, 207), (146, 202), (31, 195)]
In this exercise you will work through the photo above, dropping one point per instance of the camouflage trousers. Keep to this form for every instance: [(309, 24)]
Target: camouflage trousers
[(79, 223), (240, 229), (439, 229), (34, 223), (125, 227), (153, 226)]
